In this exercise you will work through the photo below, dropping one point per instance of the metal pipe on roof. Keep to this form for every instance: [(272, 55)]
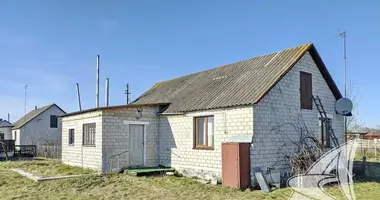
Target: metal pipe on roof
[(107, 91), (78, 96), (9, 117), (97, 80)]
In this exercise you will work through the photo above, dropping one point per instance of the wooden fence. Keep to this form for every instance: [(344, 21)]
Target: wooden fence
[(369, 148), (49, 152)]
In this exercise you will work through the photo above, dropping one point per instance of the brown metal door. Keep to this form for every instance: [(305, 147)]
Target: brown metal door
[(236, 165), (230, 168)]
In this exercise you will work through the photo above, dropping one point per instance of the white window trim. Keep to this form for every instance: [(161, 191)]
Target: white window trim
[(145, 141)]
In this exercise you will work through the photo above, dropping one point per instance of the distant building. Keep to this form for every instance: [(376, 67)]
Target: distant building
[(372, 135), (39, 126), (5, 130)]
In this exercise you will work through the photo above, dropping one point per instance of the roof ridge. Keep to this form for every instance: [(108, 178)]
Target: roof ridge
[(18, 124), (267, 54)]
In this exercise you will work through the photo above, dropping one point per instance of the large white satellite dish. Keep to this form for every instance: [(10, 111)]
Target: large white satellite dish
[(343, 106)]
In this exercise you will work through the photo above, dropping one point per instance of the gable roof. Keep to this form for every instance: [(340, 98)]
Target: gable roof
[(5, 123), (33, 114), (241, 83)]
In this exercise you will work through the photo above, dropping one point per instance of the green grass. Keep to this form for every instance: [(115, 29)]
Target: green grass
[(46, 168), (370, 157), (120, 186)]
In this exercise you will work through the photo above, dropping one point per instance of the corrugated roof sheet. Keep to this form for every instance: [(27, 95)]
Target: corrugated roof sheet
[(31, 115), (5, 123), (241, 83)]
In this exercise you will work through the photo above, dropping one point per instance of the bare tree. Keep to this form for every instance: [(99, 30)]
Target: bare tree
[(353, 93), (299, 151)]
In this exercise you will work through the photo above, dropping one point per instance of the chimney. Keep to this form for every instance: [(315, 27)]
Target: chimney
[(107, 92), (9, 117), (97, 80), (35, 107)]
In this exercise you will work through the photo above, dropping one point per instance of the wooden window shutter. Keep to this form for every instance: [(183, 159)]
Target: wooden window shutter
[(306, 91)]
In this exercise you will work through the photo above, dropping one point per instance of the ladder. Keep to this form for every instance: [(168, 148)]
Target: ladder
[(324, 119)]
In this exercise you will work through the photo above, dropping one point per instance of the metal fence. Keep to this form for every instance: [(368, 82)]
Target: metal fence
[(49, 152), (25, 150), (7, 145)]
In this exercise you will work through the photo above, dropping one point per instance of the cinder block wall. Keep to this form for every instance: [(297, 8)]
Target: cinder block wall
[(281, 107), (116, 135), (77, 154), (176, 140)]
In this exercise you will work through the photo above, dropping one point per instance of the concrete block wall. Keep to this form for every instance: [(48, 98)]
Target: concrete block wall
[(176, 139), (281, 107), (116, 135), (77, 154)]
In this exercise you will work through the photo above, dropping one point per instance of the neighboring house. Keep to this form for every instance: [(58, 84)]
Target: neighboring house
[(372, 135), (5, 130), (182, 122), (5, 137), (39, 126), (355, 135)]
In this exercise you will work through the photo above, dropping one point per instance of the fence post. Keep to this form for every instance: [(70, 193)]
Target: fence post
[(374, 142)]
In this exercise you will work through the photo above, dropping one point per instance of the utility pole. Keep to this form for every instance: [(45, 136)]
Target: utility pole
[(344, 36), (127, 92), (26, 86)]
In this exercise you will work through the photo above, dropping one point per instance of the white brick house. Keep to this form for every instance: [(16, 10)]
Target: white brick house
[(39, 127), (185, 120)]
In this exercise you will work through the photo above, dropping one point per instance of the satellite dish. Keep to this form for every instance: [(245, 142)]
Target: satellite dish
[(343, 106)]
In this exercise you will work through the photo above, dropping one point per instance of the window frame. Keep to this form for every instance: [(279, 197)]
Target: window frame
[(93, 140), (306, 97), (56, 121), (71, 137), (195, 133)]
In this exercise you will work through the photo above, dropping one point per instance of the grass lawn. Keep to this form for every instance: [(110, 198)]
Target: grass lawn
[(119, 186), (46, 168)]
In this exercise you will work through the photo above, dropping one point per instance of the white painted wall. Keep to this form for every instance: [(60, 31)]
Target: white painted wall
[(38, 131), (281, 106), (7, 131)]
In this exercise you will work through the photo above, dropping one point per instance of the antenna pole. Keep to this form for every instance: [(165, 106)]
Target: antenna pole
[(26, 86), (127, 92), (344, 36)]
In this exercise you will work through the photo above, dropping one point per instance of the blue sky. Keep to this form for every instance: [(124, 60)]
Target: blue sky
[(51, 45)]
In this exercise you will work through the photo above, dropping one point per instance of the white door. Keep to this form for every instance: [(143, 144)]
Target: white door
[(136, 145)]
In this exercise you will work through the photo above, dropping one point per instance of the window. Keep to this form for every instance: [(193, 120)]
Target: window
[(306, 91), (89, 134), (325, 133), (71, 137), (53, 121), (1, 136), (204, 132), (15, 137)]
